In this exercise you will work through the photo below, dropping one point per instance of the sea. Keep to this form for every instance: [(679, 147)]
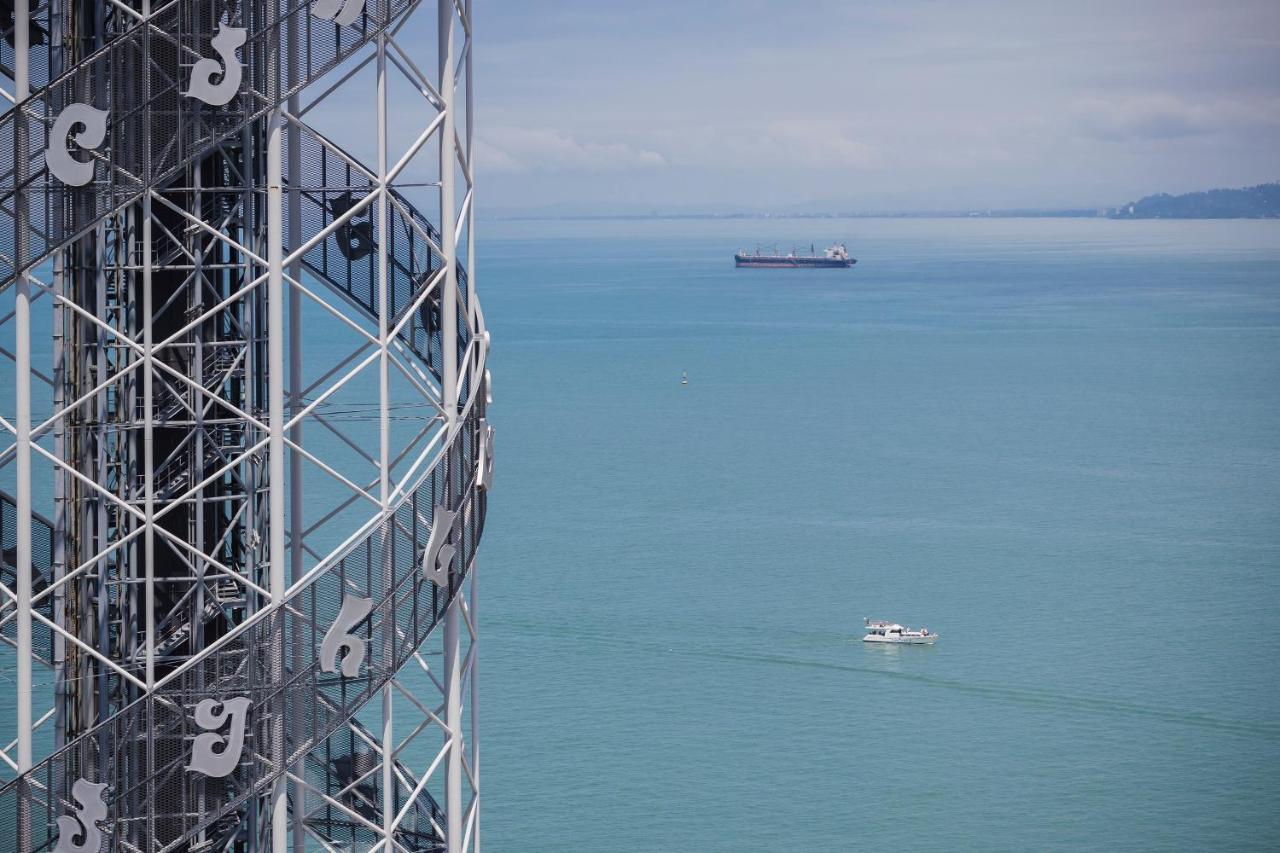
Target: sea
[(1053, 442)]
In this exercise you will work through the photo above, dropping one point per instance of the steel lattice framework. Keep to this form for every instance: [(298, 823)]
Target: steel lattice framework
[(244, 454)]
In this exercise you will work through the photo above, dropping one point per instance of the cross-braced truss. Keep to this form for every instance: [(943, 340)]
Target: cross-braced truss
[(244, 455)]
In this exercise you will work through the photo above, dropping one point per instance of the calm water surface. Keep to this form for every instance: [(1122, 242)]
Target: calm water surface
[(1054, 442)]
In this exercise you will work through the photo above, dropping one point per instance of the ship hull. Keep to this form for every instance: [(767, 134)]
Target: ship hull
[(784, 262)]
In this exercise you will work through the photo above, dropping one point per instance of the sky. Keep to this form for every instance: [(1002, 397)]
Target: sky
[(614, 106)]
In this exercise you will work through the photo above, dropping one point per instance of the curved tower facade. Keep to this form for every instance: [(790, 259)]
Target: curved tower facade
[(244, 452)]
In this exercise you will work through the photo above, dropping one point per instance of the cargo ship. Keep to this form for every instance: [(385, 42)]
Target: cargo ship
[(835, 257)]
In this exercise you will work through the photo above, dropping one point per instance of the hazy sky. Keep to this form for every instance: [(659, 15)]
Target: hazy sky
[(603, 105)]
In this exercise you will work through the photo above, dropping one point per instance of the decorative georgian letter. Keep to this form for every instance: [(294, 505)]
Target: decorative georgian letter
[(339, 638), (341, 12), (484, 464), (90, 810), (69, 170), (438, 556), (203, 72), (355, 238), (205, 757)]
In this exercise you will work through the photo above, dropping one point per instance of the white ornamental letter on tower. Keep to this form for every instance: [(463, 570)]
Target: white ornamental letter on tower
[(90, 810), (339, 638), (203, 72), (341, 12), (484, 464), (204, 758), (438, 556), (57, 156)]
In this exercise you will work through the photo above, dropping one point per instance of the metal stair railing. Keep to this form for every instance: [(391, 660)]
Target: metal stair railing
[(330, 185), (342, 766)]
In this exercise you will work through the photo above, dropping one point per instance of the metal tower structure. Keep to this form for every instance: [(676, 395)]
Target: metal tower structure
[(244, 454)]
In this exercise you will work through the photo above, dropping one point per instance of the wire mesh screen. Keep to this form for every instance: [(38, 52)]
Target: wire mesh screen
[(330, 186), (41, 577)]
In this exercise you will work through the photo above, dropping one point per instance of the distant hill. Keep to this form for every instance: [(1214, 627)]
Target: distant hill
[(1260, 202)]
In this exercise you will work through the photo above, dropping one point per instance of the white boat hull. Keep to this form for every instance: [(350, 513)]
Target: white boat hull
[(902, 641)]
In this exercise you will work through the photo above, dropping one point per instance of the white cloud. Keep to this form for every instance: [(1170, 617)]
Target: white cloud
[(494, 160), (817, 145), (523, 149), (1164, 117), (782, 145)]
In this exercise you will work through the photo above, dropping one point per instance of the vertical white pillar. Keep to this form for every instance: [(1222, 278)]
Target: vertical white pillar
[(453, 720), (472, 316), (22, 419), (449, 386), (148, 424), (468, 82), (275, 423), (475, 704), (59, 512), (149, 506), (384, 448), (448, 218), (149, 463), (296, 566), (22, 416), (148, 446)]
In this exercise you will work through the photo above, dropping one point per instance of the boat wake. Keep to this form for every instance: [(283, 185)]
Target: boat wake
[(1049, 700)]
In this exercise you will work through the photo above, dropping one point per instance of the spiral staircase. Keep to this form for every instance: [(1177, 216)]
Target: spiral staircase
[(134, 778)]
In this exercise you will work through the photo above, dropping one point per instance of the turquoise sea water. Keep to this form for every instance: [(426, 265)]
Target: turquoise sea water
[(1054, 442)]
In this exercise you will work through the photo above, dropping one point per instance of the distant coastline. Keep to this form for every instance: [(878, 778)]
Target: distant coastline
[(1258, 202)]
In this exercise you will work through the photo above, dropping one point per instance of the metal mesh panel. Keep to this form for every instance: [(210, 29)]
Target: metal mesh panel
[(345, 767), (41, 577), (329, 186)]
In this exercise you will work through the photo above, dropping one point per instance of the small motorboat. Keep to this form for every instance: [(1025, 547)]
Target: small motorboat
[(880, 631)]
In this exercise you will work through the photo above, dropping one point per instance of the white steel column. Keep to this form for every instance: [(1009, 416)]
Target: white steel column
[(148, 446), (448, 220), (384, 447), (22, 418), (296, 564), (475, 706), (148, 428), (453, 721), (472, 315), (149, 493), (449, 386), (275, 422), (149, 463)]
